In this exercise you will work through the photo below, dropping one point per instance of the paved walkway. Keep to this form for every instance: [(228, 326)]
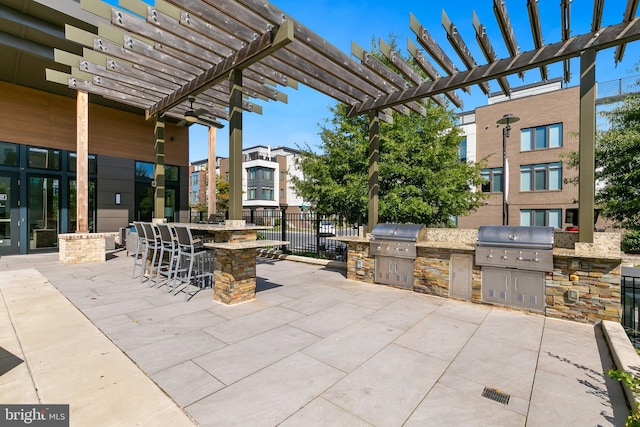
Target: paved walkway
[(313, 349)]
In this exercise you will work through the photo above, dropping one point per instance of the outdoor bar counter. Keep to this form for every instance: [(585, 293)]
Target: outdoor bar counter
[(235, 245), (584, 285)]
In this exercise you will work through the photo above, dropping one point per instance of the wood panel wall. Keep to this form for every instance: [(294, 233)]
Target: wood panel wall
[(32, 117)]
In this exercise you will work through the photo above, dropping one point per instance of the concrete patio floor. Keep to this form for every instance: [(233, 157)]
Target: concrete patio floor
[(313, 349)]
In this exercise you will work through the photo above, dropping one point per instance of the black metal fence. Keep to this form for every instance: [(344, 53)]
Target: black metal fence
[(308, 233), (631, 303)]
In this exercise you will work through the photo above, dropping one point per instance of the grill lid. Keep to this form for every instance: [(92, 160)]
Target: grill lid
[(514, 236), (405, 232)]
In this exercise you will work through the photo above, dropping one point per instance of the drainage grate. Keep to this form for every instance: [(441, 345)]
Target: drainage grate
[(498, 396)]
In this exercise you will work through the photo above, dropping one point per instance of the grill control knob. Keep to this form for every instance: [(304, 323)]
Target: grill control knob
[(490, 254), (519, 258), (535, 257), (504, 257)]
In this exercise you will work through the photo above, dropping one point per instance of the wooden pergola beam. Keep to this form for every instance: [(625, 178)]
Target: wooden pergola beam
[(263, 46), (605, 38)]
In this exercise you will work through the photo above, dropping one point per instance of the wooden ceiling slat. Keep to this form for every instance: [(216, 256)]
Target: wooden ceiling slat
[(536, 31), (423, 62), (80, 84), (210, 22), (98, 70), (139, 27), (351, 70), (487, 50), (629, 13), (396, 59), (266, 44), (598, 9), (500, 11), (173, 26), (461, 48), (375, 65), (565, 10), (323, 66), (604, 39), (429, 44)]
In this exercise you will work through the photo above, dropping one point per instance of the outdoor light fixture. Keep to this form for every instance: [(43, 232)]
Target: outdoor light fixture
[(507, 119), (117, 198), (190, 116)]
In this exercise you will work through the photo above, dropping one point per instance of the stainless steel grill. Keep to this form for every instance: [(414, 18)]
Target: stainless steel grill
[(514, 261), (525, 248), (394, 248)]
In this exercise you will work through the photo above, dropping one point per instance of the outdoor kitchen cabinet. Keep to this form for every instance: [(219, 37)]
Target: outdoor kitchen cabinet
[(512, 287), (460, 276), (394, 271)]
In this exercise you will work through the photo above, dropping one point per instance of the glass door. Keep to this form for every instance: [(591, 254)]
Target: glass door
[(44, 212), (9, 222)]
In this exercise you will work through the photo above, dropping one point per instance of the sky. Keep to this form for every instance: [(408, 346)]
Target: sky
[(340, 22)]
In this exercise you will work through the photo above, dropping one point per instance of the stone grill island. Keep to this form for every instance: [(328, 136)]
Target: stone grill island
[(584, 284), (235, 245)]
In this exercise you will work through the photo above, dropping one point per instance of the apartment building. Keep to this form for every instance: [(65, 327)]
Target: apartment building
[(532, 183), (266, 178)]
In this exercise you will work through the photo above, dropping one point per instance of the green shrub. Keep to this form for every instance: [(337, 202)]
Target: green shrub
[(633, 383), (631, 242)]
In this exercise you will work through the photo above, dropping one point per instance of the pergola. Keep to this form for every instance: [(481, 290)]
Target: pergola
[(209, 60)]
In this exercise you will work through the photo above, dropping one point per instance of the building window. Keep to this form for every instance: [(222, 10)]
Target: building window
[(172, 173), (266, 193), (144, 170), (73, 158), (8, 154), (282, 176), (462, 150), (267, 173), (44, 158), (541, 137), (253, 172), (541, 177), (195, 179), (492, 180), (251, 193), (282, 193), (541, 217), (194, 197)]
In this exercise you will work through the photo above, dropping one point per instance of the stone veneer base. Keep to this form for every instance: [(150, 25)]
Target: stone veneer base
[(78, 248), (235, 275), (596, 279)]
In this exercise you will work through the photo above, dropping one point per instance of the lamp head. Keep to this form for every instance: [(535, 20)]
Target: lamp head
[(507, 119)]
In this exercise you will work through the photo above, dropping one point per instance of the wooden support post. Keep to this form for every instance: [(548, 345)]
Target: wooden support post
[(235, 145), (211, 173), (374, 155), (158, 170), (82, 162), (586, 177)]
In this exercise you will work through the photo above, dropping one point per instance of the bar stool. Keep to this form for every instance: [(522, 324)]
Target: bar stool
[(194, 272), (169, 253), (140, 256), (153, 244)]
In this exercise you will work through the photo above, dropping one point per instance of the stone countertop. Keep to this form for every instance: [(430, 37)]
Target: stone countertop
[(224, 227), (571, 253), (447, 245), (250, 244), (562, 252), (352, 239)]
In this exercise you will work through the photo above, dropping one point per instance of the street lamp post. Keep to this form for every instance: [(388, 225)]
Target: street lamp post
[(507, 119)]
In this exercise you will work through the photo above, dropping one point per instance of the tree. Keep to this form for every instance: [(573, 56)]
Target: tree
[(222, 194), (421, 179), (617, 161), (618, 165)]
